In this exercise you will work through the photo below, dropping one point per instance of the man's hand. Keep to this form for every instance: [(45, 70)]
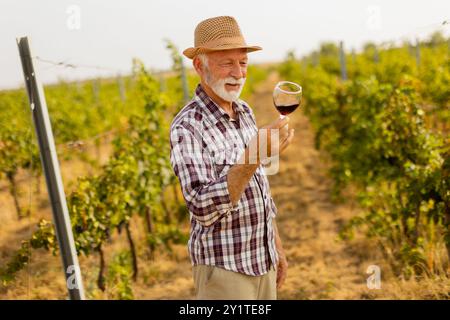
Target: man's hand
[(278, 127), (285, 136), (282, 265), (281, 269), (270, 141)]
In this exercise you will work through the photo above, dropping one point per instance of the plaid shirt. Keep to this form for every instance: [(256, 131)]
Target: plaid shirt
[(205, 143)]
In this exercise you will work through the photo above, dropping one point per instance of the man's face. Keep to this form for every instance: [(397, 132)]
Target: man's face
[(226, 72)]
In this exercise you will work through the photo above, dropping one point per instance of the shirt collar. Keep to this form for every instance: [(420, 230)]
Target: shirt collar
[(212, 110)]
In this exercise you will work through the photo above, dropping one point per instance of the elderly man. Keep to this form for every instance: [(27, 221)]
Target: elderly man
[(234, 245)]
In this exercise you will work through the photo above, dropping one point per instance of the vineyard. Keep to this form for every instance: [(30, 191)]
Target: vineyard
[(386, 128), (380, 128)]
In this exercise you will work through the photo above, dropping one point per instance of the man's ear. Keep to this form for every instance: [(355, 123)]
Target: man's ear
[(197, 63)]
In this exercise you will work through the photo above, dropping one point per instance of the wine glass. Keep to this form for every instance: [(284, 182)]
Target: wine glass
[(287, 96)]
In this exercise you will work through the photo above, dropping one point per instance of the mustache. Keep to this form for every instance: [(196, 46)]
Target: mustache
[(231, 80)]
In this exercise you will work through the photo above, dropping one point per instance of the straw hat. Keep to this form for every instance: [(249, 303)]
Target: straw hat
[(218, 33)]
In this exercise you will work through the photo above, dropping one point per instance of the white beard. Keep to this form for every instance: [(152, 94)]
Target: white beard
[(218, 86)]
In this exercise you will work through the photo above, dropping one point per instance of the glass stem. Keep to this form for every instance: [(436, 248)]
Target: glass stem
[(282, 117)]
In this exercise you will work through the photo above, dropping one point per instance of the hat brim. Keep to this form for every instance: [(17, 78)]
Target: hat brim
[(192, 52)]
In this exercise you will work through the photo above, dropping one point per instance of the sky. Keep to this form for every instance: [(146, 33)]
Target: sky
[(109, 34)]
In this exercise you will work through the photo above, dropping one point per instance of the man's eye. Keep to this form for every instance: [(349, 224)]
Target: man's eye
[(243, 63)]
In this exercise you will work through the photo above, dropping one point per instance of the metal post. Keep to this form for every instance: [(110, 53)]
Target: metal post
[(315, 59), (121, 86), (417, 52), (50, 164), (95, 90), (353, 57), (376, 55), (342, 61)]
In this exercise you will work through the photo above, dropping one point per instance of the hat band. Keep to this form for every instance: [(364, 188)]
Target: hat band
[(220, 42)]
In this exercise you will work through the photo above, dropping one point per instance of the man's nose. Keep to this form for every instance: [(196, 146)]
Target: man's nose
[(237, 72)]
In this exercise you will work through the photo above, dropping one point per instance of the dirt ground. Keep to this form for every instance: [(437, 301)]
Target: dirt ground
[(320, 265)]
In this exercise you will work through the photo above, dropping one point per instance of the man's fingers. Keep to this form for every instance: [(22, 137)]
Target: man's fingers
[(283, 133), (284, 130), (288, 140), (272, 147), (280, 123), (277, 124), (281, 275)]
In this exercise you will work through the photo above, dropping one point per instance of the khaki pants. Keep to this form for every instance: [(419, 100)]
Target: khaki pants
[(215, 283)]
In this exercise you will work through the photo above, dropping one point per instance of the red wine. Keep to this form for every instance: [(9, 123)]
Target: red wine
[(285, 110)]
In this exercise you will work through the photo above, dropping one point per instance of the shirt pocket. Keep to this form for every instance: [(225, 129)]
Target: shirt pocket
[(224, 156)]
